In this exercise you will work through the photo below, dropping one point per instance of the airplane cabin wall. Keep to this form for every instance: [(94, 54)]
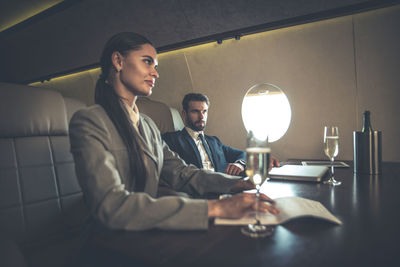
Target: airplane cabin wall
[(330, 70)]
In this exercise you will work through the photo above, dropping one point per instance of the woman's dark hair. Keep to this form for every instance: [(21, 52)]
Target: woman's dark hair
[(106, 96)]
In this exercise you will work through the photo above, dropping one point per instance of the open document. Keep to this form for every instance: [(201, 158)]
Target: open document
[(291, 208)]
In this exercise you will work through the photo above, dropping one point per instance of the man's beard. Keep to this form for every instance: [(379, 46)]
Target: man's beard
[(192, 125)]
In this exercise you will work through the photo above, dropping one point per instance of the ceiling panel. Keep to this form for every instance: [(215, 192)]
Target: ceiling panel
[(15, 11), (74, 37)]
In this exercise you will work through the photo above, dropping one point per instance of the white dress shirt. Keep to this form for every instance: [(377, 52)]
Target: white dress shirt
[(133, 114), (205, 160)]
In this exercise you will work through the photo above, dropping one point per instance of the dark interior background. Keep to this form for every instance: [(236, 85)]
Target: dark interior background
[(70, 35), (334, 59)]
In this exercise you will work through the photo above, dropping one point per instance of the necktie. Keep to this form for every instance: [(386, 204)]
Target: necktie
[(201, 136)]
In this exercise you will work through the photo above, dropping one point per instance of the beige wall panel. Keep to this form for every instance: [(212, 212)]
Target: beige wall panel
[(174, 81), (330, 71), (378, 64), (312, 63), (79, 86)]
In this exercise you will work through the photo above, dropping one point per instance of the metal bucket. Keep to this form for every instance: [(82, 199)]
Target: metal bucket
[(367, 148)]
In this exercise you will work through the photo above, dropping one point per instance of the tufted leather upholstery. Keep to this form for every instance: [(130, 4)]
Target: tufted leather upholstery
[(40, 198), (41, 203)]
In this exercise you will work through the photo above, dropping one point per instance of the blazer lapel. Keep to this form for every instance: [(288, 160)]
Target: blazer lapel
[(189, 141), (146, 138)]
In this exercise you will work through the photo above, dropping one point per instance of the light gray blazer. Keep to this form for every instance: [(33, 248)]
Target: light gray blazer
[(102, 167)]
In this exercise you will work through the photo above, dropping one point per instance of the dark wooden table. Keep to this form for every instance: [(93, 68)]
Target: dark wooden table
[(367, 205)]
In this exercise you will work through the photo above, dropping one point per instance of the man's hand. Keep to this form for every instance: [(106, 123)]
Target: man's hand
[(237, 168), (234, 168), (274, 162)]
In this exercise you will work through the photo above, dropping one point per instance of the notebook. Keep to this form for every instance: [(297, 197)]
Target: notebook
[(299, 173), (336, 164)]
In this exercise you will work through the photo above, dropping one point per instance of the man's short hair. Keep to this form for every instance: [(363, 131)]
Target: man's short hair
[(194, 97)]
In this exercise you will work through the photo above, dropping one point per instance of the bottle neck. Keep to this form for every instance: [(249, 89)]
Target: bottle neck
[(366, 122)]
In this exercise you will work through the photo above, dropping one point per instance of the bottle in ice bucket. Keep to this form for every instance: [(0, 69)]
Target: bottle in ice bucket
[(367, 148)]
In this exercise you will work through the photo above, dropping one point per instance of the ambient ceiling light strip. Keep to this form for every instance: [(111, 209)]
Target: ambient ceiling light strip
[(26, 12)]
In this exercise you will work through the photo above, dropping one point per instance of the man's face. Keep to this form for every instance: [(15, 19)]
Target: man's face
[(196, 115)]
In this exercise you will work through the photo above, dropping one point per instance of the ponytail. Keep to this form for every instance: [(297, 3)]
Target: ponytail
[(106, 97)]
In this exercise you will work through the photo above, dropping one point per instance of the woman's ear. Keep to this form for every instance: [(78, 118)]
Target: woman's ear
[(116, 59)]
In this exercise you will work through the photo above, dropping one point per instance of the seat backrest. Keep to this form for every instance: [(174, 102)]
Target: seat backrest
[(39, 193), (166, 118)]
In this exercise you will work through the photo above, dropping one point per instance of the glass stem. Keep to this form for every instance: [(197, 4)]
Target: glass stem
[(257, 203), (332, 170)]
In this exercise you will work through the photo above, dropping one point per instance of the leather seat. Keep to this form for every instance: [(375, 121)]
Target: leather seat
[(166, 118), (41, 203)]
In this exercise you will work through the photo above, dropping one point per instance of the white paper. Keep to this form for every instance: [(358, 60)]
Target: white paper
[(290, 207)]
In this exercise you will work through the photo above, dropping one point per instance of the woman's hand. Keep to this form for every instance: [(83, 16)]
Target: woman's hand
[(246, 184), (242, 185), (240, 205)]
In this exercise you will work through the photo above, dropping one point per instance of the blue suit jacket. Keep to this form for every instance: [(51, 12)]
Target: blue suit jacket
[(182, 143)]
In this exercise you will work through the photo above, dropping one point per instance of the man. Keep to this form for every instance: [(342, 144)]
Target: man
[(203, 151)]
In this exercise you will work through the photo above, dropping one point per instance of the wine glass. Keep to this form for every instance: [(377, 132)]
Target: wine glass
[(257, 164), (331, 148)]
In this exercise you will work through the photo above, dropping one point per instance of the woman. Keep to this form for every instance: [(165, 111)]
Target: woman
[(120, 157)]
